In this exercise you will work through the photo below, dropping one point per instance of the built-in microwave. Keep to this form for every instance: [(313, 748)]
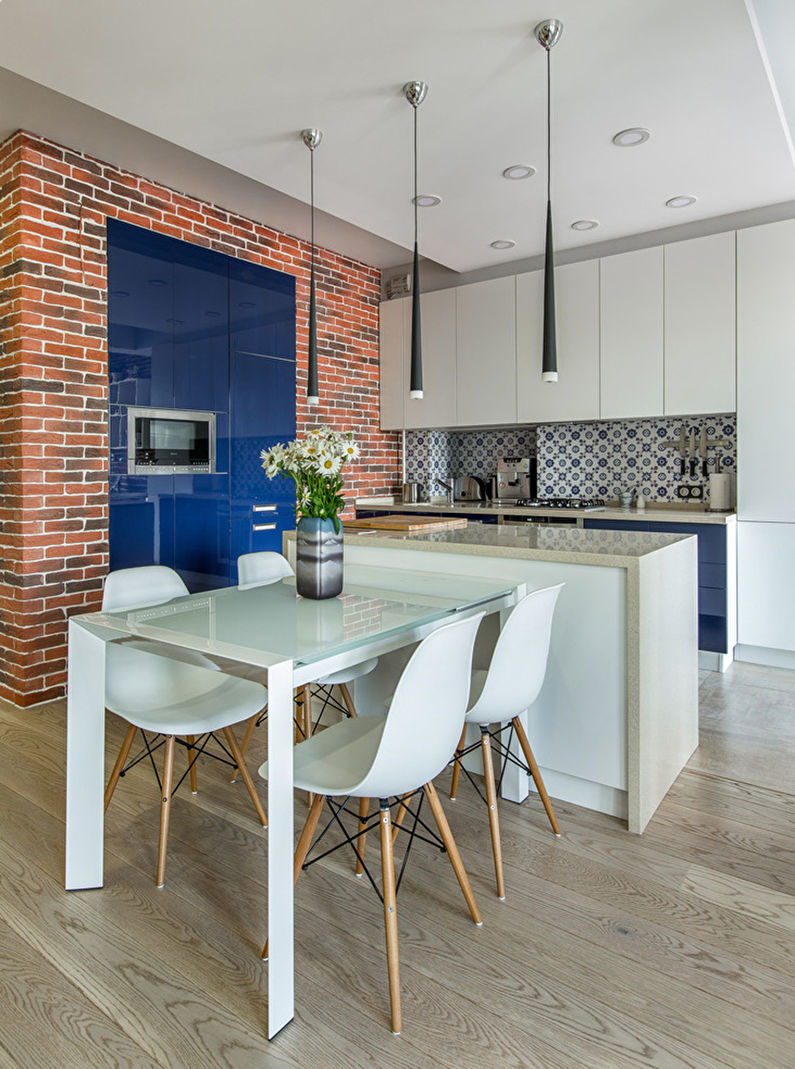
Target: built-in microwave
[(170, 441)]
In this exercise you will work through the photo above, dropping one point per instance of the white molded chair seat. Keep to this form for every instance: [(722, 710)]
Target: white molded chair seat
[(502, 693), (186, 698), (393, 756)]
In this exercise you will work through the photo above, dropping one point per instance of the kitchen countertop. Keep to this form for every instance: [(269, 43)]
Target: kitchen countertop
[(672, 514), (565, 545)]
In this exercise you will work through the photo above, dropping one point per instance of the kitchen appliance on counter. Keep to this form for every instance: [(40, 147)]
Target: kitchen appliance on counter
[(516, 479), (469, 488), (412, 493), (582, 504)]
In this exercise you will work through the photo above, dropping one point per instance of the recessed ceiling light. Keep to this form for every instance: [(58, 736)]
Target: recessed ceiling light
[(682, 201), (426, 200), (120, 293), (585, 224), (213, 315), (502, 243), (635, 135), (519, 170), (246, 304)]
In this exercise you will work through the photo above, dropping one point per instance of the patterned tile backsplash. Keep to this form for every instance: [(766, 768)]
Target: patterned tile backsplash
[(599, 459)]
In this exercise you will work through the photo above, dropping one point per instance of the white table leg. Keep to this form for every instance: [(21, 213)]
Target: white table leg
[(281, 1001), (515, 782), (85, 758)]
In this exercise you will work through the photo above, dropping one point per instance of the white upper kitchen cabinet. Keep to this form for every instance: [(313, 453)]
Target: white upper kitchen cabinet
[(486, 333), (766, 373), (700, 325), (438, 405), (575, 396), (632, 334), (394, 322)]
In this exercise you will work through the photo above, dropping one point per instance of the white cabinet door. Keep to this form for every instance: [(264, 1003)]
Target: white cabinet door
[(486, 330), (766, 585), (438, 405), (700, 325), (766, 372), (632, 334), (392, 326), (575, 396)]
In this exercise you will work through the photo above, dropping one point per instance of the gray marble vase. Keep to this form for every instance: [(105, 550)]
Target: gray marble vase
[(318, 558)]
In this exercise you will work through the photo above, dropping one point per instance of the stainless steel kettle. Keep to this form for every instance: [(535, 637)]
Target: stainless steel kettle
[(411, 493)]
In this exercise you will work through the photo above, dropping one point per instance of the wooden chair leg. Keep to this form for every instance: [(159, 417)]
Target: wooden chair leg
[(364, 813), (390, 919), (312, 817), (120, 761), (457, 764), (165, 810), (452, 851), (491, 798), (346, 697), (535, 772), (252, 723), (229, 735), (400, 816), (191, 739)]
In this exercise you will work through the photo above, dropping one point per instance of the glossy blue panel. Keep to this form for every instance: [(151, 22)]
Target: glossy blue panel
[(615, 525), (141, 528), (712, 633), (711, 539), (201, 332), (261, 310), (201, 530), (246, 539), (262, 414)]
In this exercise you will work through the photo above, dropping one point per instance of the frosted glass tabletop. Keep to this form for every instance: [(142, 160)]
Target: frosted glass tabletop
[(264, 624)]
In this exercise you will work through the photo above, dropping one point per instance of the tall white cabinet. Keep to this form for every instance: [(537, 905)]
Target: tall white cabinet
[(486, 327), (766, 436), (575, 396), (392, 326), (632, 334), (700, 325), (438, 405)]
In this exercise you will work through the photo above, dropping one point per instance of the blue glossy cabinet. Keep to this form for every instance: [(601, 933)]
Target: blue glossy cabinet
[(190, 328), (712, 581)]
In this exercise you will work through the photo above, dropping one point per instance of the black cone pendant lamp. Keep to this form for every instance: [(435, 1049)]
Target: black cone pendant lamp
[(548, 34), (415, 93), (312, 138)]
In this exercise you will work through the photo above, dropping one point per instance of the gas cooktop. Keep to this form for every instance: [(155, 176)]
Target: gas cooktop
[(584, 504)]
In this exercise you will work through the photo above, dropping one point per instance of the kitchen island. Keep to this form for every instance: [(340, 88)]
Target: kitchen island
[(617, 717)]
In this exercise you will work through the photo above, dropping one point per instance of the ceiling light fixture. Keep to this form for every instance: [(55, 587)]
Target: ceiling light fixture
[(426, 200), (312, 138), (682, 201), (519, 170), (635, 135), (584, 224), (548, 34), (415, 93), (502, 243)]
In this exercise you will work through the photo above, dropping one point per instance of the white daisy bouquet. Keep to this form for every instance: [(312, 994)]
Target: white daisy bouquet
[(314, 464)]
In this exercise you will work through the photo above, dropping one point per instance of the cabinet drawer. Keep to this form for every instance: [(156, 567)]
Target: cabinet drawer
[(711, 601), (711, 539), (713, 575)]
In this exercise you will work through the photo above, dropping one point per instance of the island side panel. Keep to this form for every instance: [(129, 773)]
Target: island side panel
[(662, 731)]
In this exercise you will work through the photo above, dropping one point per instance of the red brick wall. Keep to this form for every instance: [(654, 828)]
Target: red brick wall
[(53, 375)]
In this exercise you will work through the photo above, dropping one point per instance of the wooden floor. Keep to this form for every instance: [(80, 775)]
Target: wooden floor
[(674, 949)]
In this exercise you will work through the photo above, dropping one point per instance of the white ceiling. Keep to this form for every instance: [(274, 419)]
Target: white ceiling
[(235, 82)]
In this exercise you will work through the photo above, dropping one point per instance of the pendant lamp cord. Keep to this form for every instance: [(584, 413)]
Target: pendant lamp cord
[(416, 221), (549, 129), (312, 203)]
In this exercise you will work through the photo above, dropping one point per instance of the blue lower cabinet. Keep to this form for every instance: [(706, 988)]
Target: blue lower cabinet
[(615, 525), (141, 521), (201, 530), (258, 529)]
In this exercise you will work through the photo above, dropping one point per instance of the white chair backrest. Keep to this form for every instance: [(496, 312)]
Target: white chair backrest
[(135, 588), (519, 662), (426, 714), (257, 569)]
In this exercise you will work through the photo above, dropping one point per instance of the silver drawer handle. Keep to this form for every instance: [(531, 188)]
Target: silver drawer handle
[(264, 508), (264, 526)]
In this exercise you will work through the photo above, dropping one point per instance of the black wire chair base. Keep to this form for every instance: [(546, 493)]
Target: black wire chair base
[(373, 824), (199, 745), (504, 752)]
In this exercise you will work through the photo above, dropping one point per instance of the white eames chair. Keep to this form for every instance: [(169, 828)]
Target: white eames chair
[(393, 757), (501, 694), (178, 699), (257, 569)]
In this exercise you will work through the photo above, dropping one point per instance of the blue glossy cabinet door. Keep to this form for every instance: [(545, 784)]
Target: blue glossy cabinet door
[(261, 310), (201, 530), (201, 331), (141, 515)]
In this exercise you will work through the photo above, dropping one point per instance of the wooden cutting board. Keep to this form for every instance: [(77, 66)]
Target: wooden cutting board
[(405, 522)]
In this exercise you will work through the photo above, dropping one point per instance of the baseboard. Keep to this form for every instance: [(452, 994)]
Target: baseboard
[(714, 662), (590, 795), (766, 655)]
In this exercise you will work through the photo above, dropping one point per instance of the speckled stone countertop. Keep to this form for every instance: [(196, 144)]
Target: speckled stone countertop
[(568, 545), (650, 514)]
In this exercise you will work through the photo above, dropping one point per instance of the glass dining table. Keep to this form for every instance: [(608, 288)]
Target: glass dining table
[(291, 641)]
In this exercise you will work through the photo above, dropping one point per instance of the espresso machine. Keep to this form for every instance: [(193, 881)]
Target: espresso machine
[(516, 479)]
